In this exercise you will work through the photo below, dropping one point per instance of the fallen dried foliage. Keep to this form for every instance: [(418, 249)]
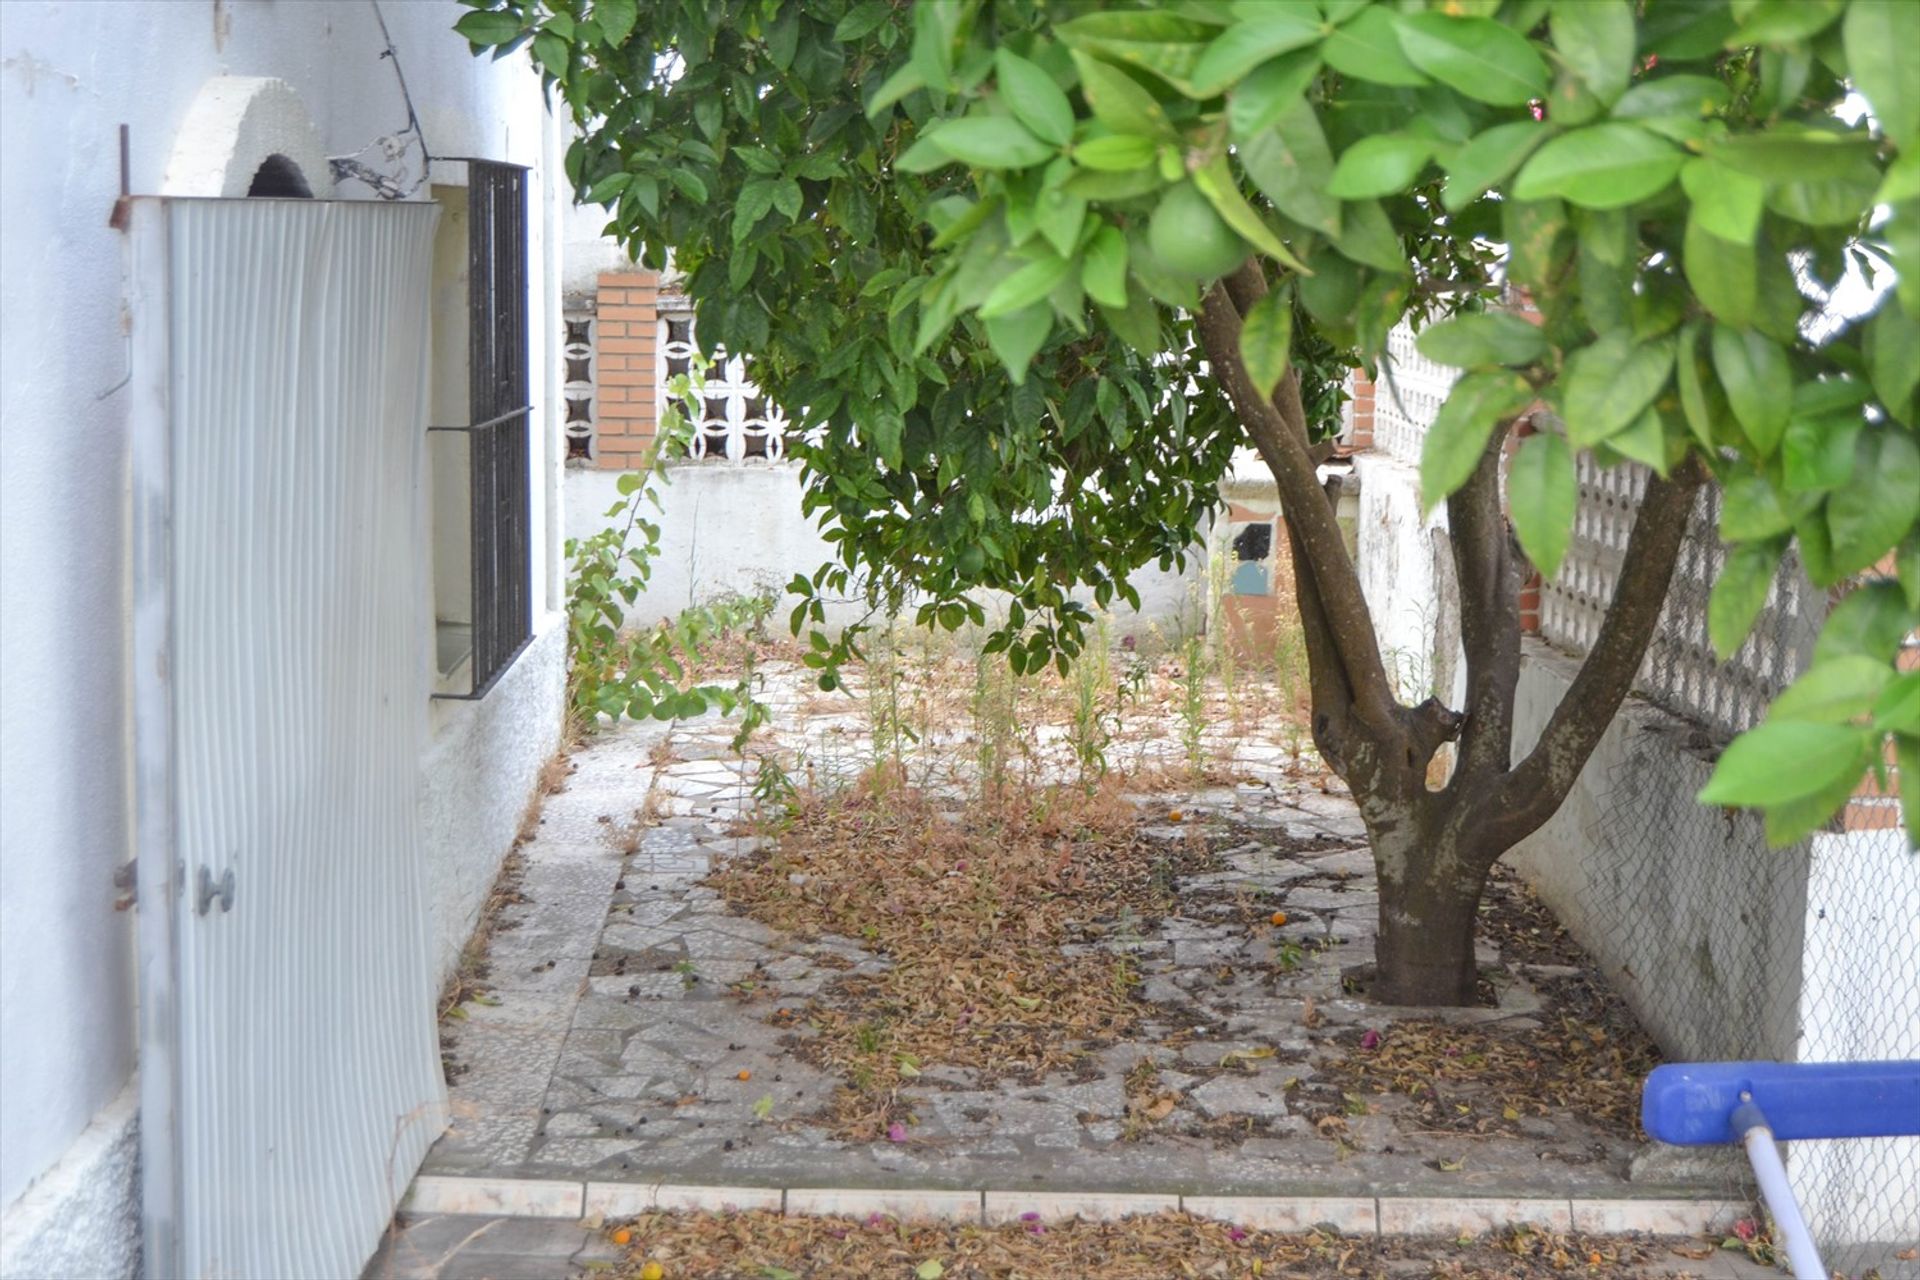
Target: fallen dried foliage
[(1484, 1079), (767, 1246), (971, 905)]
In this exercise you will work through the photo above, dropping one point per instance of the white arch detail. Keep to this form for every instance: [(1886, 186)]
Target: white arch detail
[(233, 125)]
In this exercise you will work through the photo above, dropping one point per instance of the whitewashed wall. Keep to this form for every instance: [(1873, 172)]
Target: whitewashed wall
[(70, 73), (738, 529)]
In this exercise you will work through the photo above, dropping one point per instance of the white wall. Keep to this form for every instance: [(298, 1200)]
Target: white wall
[(1406, 572), (739, 529), (1860, 999), (70, 73)]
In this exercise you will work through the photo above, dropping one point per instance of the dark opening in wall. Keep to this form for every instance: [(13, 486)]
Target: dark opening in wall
[(1255, 542), (279, 178)]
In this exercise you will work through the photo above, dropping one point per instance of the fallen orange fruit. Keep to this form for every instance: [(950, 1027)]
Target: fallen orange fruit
[(745, 1075), (623, 1236), (1278, 917)]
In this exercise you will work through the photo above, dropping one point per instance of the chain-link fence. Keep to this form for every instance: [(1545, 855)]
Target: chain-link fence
[(1727, 948)]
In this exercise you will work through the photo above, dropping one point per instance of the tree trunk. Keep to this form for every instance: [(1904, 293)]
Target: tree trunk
[(1429, 898)]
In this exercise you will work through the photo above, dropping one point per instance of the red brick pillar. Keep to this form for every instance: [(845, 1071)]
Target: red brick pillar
[(627, 323), (1362, 411)]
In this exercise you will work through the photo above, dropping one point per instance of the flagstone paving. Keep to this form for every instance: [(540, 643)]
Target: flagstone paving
[(634, 1033)]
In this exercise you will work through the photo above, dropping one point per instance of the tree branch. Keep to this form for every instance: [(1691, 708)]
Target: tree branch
[(1538, 785), (1277, 427), (1487, 574)]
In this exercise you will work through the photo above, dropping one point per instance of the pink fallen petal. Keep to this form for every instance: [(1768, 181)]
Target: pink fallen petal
[(896, 1132), (1371, 1040)]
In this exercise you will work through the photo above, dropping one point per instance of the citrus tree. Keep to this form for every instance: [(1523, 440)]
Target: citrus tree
[(1033, 271)]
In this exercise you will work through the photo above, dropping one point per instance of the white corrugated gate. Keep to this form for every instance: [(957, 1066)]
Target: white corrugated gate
[(290, 1071)]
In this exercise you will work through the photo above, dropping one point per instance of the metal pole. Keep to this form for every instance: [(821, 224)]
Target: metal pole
[(1802, 1254)]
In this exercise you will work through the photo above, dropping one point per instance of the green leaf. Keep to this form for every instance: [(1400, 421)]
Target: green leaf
[(1739, 593), (1725, 275), (1266, 340), (1033, 97), (1758, 381), (1368, 48), (1785, 154), (1477, 340), (1897, 709), (1726, 202), (1833, 692), (1161, 43), (1871, 620), (1119, 101), (990, 142), (608, 188), (1603, 166), (1750, 509), (1488, 160), (931, 1269), (1644, 441), (616, 19), (861, 21), (1672, 96), (1892, 345), (1103, 268), (1269, 31), (1291, 164), (1609, 383), (755, 198), (553, 54), (1869, 516), (1018, 337), (485, 28), (1817, 451), (1783, 760), (1025, 287), (1542, 491), (1536, 236), (1215, 181), (1368, 238), (1458, 437), (1479, 57), (1596, 39), (1380, 165), (1257, 102), (1116, 152), (902, 82)]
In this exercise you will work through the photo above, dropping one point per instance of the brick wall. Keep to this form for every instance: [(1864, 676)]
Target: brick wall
[(1362, 410), (626, 318)]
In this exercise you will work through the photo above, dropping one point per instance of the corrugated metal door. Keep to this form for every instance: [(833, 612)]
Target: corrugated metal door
[(291, 1079)]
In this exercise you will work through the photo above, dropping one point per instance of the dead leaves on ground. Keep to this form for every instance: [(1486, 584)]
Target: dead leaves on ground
[(972, 907), (1163, 1246)]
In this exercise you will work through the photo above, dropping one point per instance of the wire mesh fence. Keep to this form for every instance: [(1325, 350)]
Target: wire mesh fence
[(1809, 953)]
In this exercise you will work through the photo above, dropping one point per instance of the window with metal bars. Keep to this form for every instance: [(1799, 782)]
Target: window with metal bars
[(476, 649)]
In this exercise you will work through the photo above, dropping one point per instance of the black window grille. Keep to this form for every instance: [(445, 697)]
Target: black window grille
[(500, 496)]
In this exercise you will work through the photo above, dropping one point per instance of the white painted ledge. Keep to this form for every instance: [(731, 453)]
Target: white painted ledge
[(1350, 1215)]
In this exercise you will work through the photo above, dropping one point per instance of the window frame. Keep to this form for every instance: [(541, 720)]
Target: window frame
[(498, 435)]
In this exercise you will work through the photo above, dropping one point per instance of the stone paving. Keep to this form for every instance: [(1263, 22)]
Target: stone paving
[(628, 1036)]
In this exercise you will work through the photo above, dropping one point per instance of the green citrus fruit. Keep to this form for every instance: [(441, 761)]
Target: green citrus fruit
[(1189, 238)]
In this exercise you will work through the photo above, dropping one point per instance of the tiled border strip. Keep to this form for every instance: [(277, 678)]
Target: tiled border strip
[(1351, 1215)]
